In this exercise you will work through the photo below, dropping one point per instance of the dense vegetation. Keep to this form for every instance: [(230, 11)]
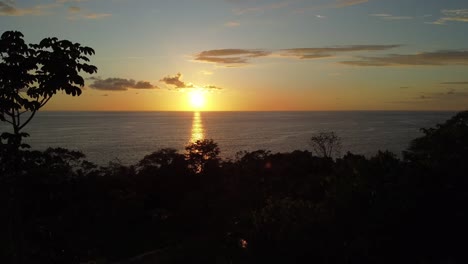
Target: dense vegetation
[(259, 208)]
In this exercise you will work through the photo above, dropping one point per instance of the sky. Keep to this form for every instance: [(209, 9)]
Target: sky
[(258, 55)]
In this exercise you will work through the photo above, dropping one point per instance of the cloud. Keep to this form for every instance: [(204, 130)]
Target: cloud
[(119, 84), (143, 85), (96, 15), (460, 15), (204, 72), (229, 56), (315, 53), (176, 81), (242, 56), (345, 3), (437, 58), (74, 9), (391, 17), (232, 24), (455, 83), (179, 84), (212, 87), (8, 8)]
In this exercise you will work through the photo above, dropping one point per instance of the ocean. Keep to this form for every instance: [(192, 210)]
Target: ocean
[(128, 136)]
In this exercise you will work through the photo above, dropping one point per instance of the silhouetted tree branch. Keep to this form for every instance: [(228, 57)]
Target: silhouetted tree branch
[(31, 74)]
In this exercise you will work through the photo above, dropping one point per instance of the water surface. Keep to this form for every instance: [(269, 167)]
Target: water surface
[(129, 136)]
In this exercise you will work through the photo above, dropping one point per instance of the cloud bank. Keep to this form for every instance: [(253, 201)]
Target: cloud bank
[(243, 56), (229, 56), (437, 58), (119, 84), (314, 53), (455, 83)]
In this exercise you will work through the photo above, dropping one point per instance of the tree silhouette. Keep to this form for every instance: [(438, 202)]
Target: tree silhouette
[(200, 153), (326, 144), (31, 74)]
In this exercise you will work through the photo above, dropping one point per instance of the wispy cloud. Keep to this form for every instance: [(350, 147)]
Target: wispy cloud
[(437, 58), (314, 53), (345, 3), (460, 15), (455, 83), (96, 15), (74, 9), (243, 56), (205, 72), (119, 84), (212, 87), (232, 24), (391, 17), (9, 8), (230, 56)]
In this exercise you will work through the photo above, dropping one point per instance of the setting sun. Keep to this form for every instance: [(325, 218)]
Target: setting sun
[(197, 99)]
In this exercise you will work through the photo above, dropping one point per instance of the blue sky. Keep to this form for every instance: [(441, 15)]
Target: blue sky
[(260, 54)]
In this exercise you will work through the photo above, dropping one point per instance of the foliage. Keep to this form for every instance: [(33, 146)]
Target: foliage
[(31, 74), (202, 152), (262, 207), (326, 144), (447, 142)]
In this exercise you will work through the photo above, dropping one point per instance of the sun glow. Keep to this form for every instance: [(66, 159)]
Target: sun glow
[(197, 99)]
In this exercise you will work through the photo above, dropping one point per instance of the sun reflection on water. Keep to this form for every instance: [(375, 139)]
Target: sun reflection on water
[(197, 128)]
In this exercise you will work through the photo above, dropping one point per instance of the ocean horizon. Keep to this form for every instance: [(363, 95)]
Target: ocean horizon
[(126, 137)]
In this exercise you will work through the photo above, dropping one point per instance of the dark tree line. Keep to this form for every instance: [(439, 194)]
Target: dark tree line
[(261, 207)]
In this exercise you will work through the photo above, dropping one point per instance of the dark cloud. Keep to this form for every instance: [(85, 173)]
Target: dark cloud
[(212, 87), (176, 81), (119, 84), (143, 85), (437, 58), (229, 56), (179, 84), (315, 53), (242, 56)]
